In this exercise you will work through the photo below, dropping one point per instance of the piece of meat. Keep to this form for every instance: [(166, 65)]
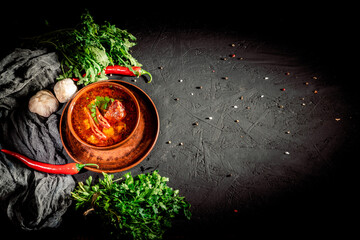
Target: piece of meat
[(102, 121), (94, 128), (116, 112)]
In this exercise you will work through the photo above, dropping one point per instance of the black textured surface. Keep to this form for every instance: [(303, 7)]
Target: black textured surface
[(237, 175)]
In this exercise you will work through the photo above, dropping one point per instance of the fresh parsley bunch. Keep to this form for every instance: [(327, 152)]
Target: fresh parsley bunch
[(86, 50), (137, 208)]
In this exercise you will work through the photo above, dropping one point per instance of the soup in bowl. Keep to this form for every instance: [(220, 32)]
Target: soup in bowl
[(103, 115)]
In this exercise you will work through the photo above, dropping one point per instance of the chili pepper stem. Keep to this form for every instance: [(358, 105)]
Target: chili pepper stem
[(146, 73), (81, 166)]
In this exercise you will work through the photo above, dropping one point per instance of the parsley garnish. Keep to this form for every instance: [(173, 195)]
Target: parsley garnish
[(101, 103), (139, 208)]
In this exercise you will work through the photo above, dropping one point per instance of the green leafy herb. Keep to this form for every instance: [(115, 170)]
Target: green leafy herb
[(101, 103), (90, 48), (139, 208)]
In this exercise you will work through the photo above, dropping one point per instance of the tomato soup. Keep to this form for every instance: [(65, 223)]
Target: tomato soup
[(104, 116)]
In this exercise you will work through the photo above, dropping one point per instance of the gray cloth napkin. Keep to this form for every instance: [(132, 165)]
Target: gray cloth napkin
[(32, 200)]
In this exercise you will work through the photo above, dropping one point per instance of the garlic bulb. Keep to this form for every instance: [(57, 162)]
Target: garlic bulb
[(43, 103), (65, 89)]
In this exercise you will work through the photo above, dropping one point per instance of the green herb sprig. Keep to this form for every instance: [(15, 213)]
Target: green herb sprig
[(139, 208), (100, 102), (89, 48)]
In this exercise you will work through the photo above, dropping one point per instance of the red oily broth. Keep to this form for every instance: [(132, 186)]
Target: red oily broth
[(117, 132)]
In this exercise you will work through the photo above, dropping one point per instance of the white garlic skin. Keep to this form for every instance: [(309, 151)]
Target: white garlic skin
[(65, 89), (43, 103)]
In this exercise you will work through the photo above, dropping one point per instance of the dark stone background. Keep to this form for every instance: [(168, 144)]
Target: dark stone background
[(236, 175)]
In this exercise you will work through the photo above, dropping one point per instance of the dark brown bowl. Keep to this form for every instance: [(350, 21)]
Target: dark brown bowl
[(91, 87)]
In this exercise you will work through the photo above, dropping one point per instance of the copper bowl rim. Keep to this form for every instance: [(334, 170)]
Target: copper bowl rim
[(92, 86)]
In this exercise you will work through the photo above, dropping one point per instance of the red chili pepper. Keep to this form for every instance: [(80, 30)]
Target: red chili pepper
[(121, 70), (116, 69), (70, 168)]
